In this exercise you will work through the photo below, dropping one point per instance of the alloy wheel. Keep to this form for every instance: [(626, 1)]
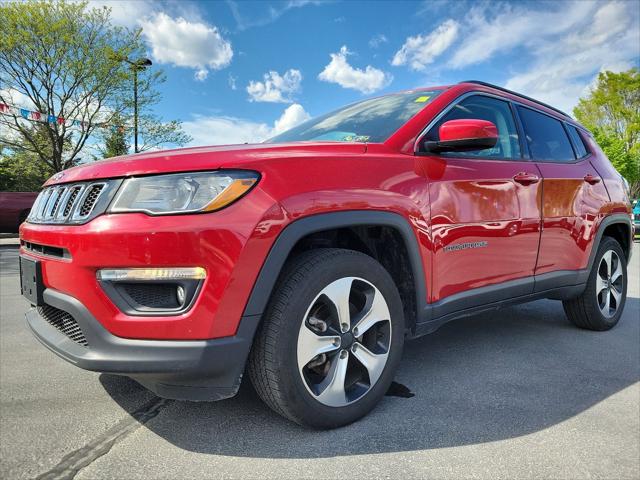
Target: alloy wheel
[(609, 283), (343, 342)]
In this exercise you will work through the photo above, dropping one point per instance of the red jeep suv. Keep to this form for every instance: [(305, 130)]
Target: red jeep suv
[(309, 259)]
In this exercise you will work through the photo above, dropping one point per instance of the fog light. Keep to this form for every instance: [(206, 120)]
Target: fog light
[(180, 293), (145, 274)]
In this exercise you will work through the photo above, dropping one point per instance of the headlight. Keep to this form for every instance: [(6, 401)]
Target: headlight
[(182, 192)]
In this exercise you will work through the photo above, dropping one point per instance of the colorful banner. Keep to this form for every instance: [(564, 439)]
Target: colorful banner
[(43, 117)]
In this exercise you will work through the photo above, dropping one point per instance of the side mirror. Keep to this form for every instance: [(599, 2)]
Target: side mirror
[(464, 135)]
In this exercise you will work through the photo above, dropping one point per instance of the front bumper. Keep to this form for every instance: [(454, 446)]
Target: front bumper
[(224, 243), (183, 370)]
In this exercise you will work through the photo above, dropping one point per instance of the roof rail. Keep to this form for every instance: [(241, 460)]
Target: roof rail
[(487, 84)]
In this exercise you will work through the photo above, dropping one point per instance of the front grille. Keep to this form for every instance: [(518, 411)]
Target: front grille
[(71, 200), (90, 199), (151, 295), (56, 201), (63, 322), (72, 203)]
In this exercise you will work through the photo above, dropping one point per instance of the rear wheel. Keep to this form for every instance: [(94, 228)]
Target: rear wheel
[(600, 306), (332, 338)]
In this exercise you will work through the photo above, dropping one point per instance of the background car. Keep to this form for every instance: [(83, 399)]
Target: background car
[(14, 209), (636, 216)]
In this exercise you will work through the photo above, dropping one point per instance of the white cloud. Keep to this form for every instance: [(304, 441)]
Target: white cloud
[(292, 116), (231, 130), (183, 43), (366, 81), (495, 28), (125, 12), (565, 66), (260, 18), (421, 50), (276, 87), (375, 42), (16, 98)]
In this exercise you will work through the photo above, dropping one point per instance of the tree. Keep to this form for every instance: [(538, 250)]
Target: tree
[(61, 58), (612, 112), (66, 60), (152, 132), (115, 140), (22, 172)]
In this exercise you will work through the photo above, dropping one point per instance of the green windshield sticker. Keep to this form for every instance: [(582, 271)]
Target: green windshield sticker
[(422, 99)]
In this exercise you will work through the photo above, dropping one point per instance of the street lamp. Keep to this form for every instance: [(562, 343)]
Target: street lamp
[(136, 65)]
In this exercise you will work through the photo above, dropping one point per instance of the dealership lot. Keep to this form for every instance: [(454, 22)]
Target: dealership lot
[(517, 393)]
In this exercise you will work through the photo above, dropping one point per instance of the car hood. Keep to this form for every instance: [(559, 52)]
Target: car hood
[(203, 158)]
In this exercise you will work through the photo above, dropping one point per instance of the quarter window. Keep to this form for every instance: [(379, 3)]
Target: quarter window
[(578, 143), (479, 107), (546, 137)]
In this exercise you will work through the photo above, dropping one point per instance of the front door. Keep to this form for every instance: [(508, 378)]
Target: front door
[(485, 213)]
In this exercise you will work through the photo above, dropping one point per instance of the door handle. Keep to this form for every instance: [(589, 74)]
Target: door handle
[(524, 178), (591, 179)]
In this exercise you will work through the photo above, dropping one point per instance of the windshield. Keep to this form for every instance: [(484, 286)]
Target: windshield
[(371, 120)]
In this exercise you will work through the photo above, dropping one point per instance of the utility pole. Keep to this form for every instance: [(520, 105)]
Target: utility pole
[(136, 65)]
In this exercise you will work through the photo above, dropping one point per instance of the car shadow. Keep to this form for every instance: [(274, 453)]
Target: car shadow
[(485, 378)]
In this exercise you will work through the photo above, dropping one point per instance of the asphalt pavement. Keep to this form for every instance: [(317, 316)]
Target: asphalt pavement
[(518, 393)]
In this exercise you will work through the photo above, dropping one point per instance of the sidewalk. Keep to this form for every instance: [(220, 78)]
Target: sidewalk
[(9, 239)]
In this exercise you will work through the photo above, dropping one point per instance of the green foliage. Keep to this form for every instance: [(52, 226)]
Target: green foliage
[(612, 112), (114, 140), (626, 162), (61, 58), (22, 172), (65, 58), (152, 131)]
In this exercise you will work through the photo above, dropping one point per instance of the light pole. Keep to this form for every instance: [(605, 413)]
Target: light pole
[(136, 65)]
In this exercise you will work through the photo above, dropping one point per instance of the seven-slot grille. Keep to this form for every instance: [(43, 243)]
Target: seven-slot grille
[(63, 322), (66, 203)]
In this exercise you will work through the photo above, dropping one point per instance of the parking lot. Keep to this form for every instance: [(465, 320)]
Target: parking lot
[(518, 393)]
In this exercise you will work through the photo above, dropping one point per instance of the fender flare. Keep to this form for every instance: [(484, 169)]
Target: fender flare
[(617, 218), (292, 233)]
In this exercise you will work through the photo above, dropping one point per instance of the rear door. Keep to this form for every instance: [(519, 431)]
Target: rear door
[(573, 196), (485, 211)]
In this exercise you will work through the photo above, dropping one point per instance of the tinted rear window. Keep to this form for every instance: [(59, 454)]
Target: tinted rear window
[(581, 150), (546, 137)]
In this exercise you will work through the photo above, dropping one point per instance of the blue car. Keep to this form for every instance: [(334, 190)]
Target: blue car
[(636, 216)]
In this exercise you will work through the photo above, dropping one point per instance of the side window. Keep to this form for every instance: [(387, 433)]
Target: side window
[(546, 137), (578, 143), (484, 108)]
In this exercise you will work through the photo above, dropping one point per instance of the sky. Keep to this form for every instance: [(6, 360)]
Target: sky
[(242, 71)]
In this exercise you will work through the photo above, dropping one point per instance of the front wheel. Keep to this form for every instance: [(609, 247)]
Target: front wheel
[(331, 340), (600, 306)]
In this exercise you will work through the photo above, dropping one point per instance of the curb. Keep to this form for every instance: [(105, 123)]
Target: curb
[(9, 242)]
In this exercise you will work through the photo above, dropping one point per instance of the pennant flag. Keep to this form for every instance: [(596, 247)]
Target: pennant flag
[(42, 117)]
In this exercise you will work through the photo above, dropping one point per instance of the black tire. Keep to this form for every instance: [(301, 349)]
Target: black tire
[(584, 311), (273, 363)]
